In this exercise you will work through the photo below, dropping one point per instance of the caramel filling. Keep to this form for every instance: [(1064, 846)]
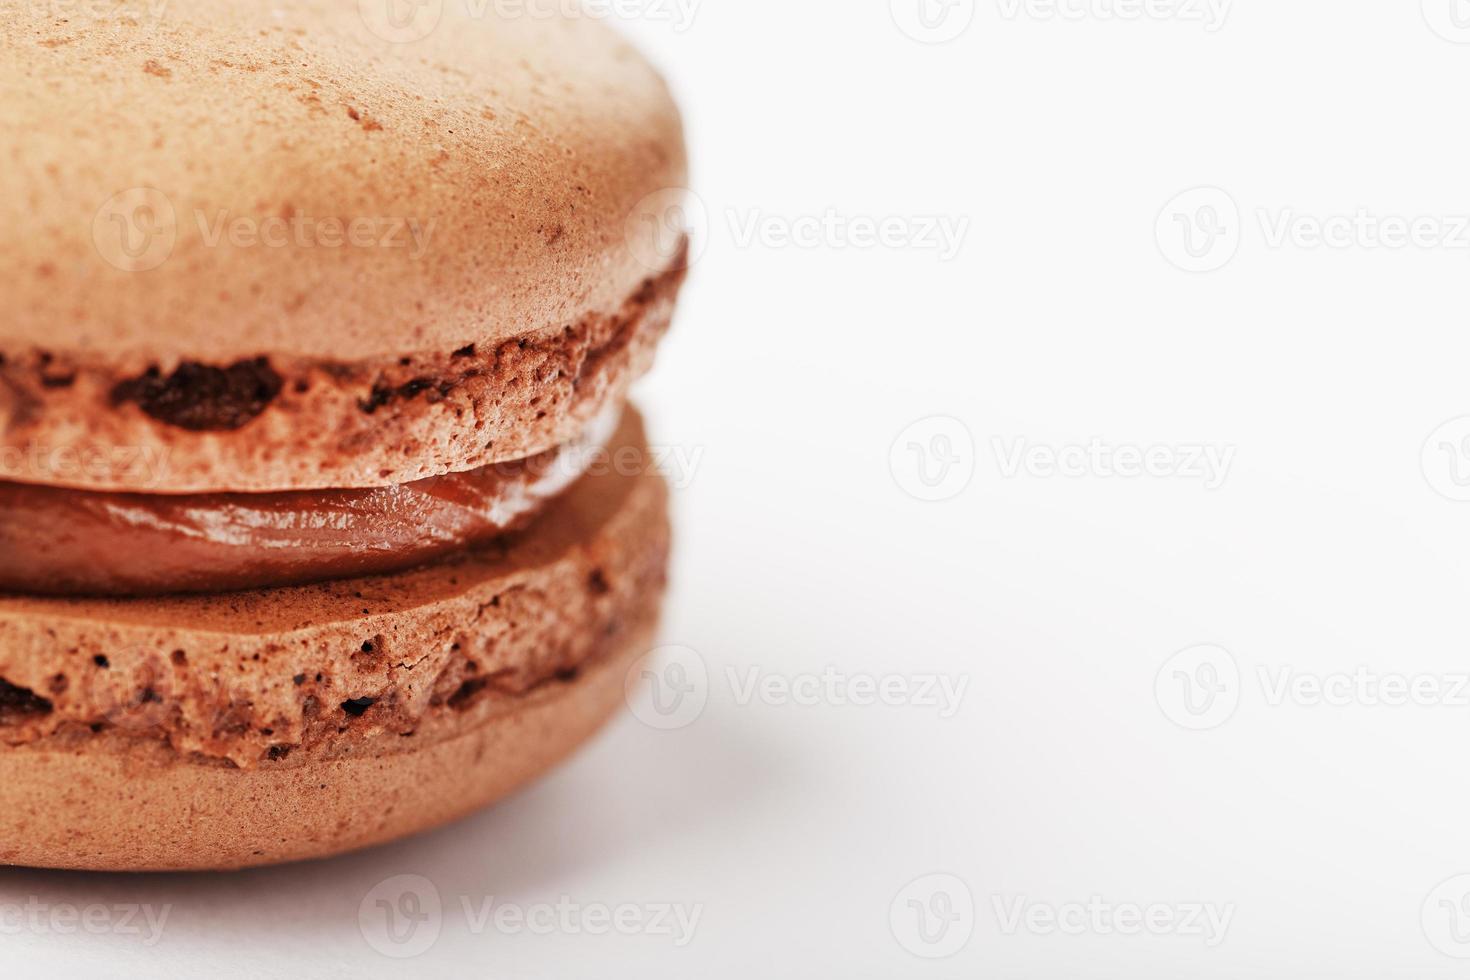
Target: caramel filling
[(58, 541)]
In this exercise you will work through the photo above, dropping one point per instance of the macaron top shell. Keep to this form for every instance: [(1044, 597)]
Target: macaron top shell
[(218, 180), (258, 247)]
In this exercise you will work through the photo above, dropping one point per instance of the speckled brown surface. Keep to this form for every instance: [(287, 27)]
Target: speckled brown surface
[(119, 803), (528, 151), (264, 678)]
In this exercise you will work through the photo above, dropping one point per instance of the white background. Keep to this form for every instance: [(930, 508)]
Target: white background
[(1072, 770)]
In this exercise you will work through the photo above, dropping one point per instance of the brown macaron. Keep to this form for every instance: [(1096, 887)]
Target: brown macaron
[(319, 337)]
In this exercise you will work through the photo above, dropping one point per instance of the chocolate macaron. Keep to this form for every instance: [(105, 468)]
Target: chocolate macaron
[(323, 519)]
